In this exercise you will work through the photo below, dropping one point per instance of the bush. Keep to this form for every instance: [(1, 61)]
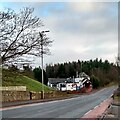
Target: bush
[(95, 82), (117, 92)]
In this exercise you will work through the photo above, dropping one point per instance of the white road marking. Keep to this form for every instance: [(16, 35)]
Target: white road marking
[(87, 112), (35, 104), (96, 107)]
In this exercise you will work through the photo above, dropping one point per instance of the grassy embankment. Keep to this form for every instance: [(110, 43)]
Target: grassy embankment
[(13, 78)]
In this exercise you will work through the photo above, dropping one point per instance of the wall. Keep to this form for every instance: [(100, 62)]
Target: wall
[(13, 88), (8, 96)]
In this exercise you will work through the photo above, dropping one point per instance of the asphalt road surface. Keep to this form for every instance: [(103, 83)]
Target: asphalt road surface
[(68, 108)]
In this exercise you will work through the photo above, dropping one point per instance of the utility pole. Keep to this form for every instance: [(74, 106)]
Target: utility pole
[(42, 52)]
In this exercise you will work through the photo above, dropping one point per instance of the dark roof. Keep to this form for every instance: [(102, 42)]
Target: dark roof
[(59, 80)]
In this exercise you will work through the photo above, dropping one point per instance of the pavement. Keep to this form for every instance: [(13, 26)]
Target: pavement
[(97, 111), (24, 102), (107, 109), (113, 112)]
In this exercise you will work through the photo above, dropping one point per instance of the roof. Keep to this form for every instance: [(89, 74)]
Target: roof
[(67, 80), (59, 80), (83, 74)]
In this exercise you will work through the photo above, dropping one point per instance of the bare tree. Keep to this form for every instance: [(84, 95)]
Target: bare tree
[(19, 35)]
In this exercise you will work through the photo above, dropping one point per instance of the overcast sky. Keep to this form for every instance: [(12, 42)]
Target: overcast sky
[(80, 30)]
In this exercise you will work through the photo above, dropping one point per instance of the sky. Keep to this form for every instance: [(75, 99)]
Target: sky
[(79, 30)]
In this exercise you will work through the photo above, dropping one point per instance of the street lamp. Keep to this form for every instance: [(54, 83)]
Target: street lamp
[(41, 44)]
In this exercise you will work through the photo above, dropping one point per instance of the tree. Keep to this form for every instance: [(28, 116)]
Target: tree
[(106, 66), (50, 71), (61, 71), (27, 71), (95, 82), (38, 73), (118, 68), (19, 35), (13, 68)]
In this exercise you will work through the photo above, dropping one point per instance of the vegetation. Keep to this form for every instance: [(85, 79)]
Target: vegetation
[(38, 75), (19, 35), (104, 71), (95, 82), (14, 78), (116, 94)]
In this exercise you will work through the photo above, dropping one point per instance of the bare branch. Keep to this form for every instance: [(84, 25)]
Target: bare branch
[(19, 34)]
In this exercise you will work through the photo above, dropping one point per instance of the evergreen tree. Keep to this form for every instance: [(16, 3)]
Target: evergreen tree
[(38, 75)]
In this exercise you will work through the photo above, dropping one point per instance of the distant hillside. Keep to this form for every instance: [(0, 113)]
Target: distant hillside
[(13, 78)]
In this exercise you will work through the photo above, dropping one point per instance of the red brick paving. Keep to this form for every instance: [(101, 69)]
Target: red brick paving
[(98, 110)]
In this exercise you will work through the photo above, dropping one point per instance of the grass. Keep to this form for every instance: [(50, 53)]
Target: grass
[(13, 78), (111, 84), (116, 97)]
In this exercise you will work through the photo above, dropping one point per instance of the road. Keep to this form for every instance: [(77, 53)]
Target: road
[(68, 108)]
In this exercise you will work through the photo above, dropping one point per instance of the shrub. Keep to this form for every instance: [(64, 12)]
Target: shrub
[(95, 82)]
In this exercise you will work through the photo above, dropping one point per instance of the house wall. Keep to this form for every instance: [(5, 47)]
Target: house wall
[(69, 86)]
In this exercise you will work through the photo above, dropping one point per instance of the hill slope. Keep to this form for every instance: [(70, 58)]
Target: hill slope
[(13, 78)]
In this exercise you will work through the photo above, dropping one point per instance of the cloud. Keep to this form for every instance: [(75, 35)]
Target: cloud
[(84, 33), (80, 30), (87, 6)]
